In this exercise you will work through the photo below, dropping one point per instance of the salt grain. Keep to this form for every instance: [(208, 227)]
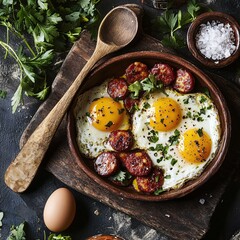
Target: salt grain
[(215, 40)]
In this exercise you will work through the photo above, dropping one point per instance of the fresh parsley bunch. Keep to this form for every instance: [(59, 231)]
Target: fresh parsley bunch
[(44, 28), (170, 22)]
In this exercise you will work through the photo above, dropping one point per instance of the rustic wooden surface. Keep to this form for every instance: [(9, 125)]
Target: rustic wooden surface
[(185, 218)]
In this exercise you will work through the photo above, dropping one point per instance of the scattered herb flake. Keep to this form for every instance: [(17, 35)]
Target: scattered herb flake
[(200, 132), (120, 111), (174, 138), (3, 94), (154, 136), (173, 161), (109, 124), (167, 177), (157, 192), (203, 99), (146, 105)]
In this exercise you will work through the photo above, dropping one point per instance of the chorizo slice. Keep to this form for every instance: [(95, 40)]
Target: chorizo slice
[(184, 81), (106, 164), (136, 71), (137, 163), (130, 104), (117, 88), (121, 140), (151, 183), (164, 73)]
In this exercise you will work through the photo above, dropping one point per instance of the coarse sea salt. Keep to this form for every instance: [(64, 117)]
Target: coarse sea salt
[(215, 40)]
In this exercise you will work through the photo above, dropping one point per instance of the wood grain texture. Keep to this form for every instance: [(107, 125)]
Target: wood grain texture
[(184, 218), (118, 28)]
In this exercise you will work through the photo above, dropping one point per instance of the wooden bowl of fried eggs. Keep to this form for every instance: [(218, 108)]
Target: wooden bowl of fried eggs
[(185, 134)]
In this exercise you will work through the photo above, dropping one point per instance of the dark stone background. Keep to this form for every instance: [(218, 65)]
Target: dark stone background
[(93, 217)]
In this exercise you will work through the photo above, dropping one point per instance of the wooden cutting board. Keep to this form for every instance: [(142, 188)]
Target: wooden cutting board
[(185, 218)]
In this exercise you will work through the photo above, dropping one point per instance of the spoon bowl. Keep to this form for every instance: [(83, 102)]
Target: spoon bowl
[(117, 29), (125, 26)]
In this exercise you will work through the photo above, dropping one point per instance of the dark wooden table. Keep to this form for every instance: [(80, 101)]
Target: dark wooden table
[(93, 217)]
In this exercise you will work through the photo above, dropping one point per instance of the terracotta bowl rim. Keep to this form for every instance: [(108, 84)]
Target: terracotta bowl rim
[(193, 29), (191, 185)]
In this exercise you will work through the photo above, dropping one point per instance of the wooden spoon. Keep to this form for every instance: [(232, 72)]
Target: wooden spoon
[(118, 28)]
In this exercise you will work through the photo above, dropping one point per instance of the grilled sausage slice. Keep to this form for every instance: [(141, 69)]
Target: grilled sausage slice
[(138, 163), (121, 140), (164, 73), (106, 164), (184, 81), (117, 88), (136, 71), (151, 183)]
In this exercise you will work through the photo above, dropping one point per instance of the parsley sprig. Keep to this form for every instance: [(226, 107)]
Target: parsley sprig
[(43, 28), (147, 85), (170, 22)]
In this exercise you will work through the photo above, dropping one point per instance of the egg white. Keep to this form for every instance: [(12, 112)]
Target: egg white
[(176, 170), (91, 141)]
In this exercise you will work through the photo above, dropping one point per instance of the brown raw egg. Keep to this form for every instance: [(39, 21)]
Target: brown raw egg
[(59, 210)]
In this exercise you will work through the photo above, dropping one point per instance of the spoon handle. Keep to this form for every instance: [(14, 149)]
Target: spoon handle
[(22, 170)]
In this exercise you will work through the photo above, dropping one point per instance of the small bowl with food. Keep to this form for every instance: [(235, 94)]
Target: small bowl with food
[(213, 39), (149, 126)]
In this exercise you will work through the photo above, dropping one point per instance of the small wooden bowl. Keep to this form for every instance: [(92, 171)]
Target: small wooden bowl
[(116, 67), (194, 29), (104, 237)]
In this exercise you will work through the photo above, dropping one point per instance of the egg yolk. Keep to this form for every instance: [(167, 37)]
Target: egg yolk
[(167, 114), (106, 114), (195, 145)]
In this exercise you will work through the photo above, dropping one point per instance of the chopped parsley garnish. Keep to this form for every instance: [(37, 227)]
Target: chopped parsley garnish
[(120, 111), (186, 100), (167, 177), (173, 161), (154, 137), (202, 111), (122, 176), (206, 92), (160, 147), (200, 132), (135, 89), (203, 99), (88, 114), (158, 191), (146, 105), (148, 85), (174, 138), (109, 124)]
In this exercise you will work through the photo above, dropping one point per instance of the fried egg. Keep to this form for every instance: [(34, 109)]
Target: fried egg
[(96, 116), (180, 133)]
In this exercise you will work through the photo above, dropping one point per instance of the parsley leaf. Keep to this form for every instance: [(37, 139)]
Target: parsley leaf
[(54, 236), (170, 22), (153, 136), (200, 132), (148, 85), (122, 176), (174, 138), (17, 233)]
